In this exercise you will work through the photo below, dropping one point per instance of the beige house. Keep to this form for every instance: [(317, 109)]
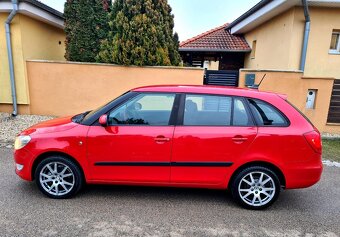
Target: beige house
[(301, 36), (275, 29), (28, 30)]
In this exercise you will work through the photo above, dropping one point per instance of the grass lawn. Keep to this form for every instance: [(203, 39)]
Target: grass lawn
[(331, 149)]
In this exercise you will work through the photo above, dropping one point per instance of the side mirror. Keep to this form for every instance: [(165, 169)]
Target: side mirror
[(103, 120)]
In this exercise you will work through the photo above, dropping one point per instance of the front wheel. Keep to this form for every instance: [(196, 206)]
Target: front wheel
[(255, 187), (58, 177)]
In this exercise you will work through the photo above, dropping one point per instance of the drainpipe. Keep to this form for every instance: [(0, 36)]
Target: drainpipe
[(306, 35), (10, 55)]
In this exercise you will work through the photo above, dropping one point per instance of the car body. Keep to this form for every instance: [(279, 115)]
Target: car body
[(181, 136)]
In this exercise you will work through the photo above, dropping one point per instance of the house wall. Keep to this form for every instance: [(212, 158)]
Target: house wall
[(296, 86), (279, 42), (273, 43), (64, 88), (18, 59), (41, 40), (319, 61), (31, 39)]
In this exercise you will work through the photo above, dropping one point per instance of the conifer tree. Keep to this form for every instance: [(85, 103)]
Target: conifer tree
[(86, 25), (141, 33)]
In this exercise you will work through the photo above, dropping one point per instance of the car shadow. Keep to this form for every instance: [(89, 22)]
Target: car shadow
[(288, 200), (156, 193)]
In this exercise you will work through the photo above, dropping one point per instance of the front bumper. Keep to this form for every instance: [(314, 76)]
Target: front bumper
[(25, 158)]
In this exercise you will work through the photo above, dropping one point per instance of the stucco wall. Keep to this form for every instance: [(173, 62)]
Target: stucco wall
[(63, 88), (295, 86)]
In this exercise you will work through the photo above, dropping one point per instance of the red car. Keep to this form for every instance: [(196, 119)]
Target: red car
[(249, 142)]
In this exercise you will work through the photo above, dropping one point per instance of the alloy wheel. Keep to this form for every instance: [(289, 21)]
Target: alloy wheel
[(57, 178), (256, 188)]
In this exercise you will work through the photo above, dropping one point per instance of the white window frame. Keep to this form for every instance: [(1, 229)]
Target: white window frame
[(337, 50)]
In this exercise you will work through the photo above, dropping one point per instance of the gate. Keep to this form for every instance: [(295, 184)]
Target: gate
[(334, 107), (221, 77)]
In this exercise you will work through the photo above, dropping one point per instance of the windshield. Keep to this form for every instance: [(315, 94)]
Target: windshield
[(91, 113), (88, 115)]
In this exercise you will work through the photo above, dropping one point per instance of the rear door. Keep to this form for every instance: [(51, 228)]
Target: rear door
[(214, 133)]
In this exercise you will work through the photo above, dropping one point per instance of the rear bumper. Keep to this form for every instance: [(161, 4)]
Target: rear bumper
[(303, 176), (25, 158)]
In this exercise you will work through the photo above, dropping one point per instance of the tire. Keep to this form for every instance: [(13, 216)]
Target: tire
[(255, 187), (58, 177)]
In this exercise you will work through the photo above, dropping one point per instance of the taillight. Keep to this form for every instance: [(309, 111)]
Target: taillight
[(314, 140)]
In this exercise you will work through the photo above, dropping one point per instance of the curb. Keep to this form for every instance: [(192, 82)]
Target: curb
[(331, 163), (6, 144)]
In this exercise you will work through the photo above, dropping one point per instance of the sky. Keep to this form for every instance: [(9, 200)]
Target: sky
[(193, 17)]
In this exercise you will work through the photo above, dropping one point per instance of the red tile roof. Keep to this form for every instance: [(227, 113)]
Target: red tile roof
[(218, 39)]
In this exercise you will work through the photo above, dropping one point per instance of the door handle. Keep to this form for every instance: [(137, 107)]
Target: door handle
[(162, 139), (239, 139)]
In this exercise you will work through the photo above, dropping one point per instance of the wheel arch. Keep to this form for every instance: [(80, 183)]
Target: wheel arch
[(265, 164), (45, 155)]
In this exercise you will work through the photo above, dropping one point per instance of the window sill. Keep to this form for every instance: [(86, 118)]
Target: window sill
[(334, 52), (333, 124)]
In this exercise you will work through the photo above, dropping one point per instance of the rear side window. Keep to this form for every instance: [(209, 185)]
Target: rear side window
[(210, 110), (266, 114)]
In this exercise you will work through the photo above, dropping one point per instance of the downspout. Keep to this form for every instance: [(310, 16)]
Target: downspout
[(306, 35), (10, 55)]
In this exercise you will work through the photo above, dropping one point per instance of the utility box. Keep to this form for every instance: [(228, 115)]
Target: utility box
[(311, 97), (250, 80)]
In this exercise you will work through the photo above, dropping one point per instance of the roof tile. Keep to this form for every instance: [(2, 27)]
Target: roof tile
[(216, 39)]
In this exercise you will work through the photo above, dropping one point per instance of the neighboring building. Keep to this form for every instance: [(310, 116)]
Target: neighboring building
[(275, 30), (279, 30), (216, 49), (36, 33)]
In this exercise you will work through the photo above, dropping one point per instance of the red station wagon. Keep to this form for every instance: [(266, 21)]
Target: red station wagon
[(249, 142)]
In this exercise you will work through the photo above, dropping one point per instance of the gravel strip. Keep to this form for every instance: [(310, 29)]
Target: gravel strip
[(11, 126)]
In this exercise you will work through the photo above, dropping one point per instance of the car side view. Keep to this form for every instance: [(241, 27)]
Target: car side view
[(249, 142)]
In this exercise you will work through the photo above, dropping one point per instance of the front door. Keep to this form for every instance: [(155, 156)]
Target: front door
[(136, 144), (216, 131)]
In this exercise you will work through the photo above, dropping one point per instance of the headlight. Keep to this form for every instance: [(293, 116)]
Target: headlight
[(21, 141)]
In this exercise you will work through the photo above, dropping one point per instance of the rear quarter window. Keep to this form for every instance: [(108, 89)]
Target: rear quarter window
[(266, 114)]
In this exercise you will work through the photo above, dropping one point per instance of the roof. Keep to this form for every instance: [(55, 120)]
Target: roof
[(267, 9), (204, 89), (45, 8), (37, 10), (216, 40), (255, 8)]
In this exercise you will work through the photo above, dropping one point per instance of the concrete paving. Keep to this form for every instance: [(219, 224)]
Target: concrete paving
[(141, 211)]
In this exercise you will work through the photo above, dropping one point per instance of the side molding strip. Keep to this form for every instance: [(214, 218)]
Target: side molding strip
[(175, 164)]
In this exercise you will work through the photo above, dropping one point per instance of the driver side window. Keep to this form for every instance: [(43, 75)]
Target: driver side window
[(144, 109)]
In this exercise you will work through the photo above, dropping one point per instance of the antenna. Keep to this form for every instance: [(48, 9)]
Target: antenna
[(256, 86)]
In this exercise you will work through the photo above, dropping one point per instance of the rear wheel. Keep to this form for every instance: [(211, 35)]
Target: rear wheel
[(58, 177), (255, 187)]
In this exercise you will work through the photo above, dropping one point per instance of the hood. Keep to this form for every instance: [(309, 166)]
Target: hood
[(50, 126)]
